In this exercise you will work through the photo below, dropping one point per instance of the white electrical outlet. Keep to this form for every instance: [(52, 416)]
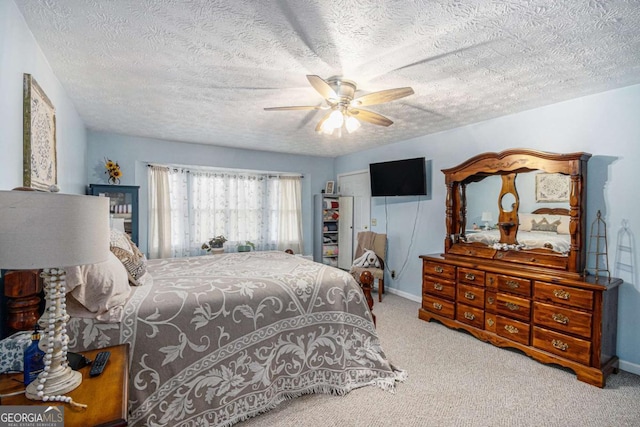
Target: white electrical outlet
[(374, 222)]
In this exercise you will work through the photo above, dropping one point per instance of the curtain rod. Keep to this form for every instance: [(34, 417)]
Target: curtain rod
[(212, 169)]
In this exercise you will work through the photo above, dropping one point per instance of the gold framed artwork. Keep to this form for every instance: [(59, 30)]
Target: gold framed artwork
[(39, 133), (552, 187)]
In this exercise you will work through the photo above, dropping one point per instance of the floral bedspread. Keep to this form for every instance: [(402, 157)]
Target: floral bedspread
[(217, 339)]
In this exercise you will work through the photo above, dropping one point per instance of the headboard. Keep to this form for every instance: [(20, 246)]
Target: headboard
[(515, 188)]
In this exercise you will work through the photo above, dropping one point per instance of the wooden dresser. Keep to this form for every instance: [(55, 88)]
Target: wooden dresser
[(520, 282), (554, 320)]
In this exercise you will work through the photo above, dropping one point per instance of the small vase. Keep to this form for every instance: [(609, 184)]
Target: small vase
[(216, 251)]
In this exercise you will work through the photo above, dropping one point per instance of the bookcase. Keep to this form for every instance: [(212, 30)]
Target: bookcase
[(123, 204), (333, 222)]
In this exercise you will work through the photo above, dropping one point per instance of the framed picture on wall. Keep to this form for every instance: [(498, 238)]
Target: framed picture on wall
[(552, 187), (39, 137), (329, 187)]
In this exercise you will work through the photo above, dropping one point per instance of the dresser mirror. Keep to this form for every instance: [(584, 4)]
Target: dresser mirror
[(519, 206)]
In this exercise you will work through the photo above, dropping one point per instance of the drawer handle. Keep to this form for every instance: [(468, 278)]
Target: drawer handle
[(491, 280), (469, 316), (469, 295), (437, 306), (490, 322), (511, 329), (438, 286), (560, 345), (560, 318), (438, 269), (559, 293), (470, 276), (490, 300), (513, 307), (512, 284)]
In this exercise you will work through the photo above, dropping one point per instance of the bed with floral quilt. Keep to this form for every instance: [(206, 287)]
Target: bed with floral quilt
[(219, 338)]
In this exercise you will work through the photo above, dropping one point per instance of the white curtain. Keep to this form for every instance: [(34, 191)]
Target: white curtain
[(290, 214), (159, 244), (262, 209)]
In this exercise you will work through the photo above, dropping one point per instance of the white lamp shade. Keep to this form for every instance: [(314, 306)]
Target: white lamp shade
[(48, 230), (486, 216)]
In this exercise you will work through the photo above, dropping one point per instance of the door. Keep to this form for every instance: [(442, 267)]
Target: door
[(357, 185)]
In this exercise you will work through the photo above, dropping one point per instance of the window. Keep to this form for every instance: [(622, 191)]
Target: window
[(243, 206)]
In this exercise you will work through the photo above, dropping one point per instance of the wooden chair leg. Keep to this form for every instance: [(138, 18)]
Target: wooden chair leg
[(380, 289), (366, 282)]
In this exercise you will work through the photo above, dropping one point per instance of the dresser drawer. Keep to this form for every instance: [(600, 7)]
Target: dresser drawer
[(471, 295), (574, 297), (440, 288), (437, 269), (512, 329), (568, 347), (470, 315), (514, 307), (562, 319), (438, 306), (470, 276), (515, 285), (491, 302)]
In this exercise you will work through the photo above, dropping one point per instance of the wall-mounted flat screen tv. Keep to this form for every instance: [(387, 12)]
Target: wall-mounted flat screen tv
[(399, 178)]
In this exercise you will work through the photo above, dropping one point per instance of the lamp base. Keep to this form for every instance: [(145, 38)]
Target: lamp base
[(56, 385)]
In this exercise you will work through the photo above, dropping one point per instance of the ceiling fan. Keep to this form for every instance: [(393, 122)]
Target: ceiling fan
[(345, 108)]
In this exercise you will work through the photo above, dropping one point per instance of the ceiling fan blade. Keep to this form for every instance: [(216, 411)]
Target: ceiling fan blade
[(299, 107), (383, 96), (322, 87), (370, 117), (321, 122)]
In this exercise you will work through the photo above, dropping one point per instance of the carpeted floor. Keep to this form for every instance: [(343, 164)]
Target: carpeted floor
[(457, 380)]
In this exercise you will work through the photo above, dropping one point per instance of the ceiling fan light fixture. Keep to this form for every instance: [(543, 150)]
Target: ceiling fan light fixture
[(336, 119), (352, 124)]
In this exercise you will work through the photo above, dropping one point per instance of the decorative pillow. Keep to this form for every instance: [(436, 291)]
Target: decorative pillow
[(98, 291), (544, 225), (527, 221), (133, 260)]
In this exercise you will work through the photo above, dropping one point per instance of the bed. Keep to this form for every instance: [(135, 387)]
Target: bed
[(544, 228), (217, 339)]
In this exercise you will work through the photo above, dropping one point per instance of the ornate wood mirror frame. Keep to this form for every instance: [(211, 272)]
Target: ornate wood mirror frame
[(508, 164)]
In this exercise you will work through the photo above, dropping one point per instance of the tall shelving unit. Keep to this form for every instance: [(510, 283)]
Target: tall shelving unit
[(332, 223), (123, 203)]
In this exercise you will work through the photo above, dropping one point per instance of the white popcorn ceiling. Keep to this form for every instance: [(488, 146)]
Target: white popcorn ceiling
[(203, 70)]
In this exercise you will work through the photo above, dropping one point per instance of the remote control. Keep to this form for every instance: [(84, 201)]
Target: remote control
[(99, 363)]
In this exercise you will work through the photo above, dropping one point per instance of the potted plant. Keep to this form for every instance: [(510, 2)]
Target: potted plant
[(246, 247), (215, 244)]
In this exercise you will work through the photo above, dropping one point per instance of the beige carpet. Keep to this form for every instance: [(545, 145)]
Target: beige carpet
[(457, 380)]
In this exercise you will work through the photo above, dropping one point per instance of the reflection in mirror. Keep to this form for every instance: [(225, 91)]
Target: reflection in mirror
[(484, 196), (507, 202)]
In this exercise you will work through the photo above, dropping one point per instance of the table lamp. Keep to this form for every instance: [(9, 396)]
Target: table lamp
[(50, 231), (487, 218)]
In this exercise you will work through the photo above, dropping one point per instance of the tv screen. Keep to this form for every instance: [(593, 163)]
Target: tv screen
[(398, 178)]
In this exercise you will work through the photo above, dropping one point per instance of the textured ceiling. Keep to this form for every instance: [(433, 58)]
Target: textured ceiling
[(203, 70)]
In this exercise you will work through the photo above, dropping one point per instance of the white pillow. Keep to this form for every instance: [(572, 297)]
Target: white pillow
[(98, 291)]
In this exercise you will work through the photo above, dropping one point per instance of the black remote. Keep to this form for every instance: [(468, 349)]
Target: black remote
[(99, 363)]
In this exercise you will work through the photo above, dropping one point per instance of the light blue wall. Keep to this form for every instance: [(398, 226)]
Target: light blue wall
[(132, 154), (605, 125), (19, 53)]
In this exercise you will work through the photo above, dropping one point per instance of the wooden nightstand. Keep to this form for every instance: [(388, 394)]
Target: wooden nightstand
[(106, 395)]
